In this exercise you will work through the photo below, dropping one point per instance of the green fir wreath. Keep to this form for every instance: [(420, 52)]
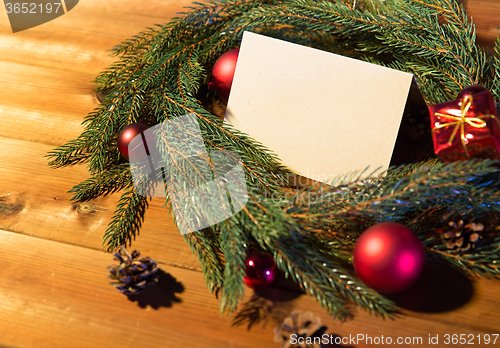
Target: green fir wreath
[(158, 76)]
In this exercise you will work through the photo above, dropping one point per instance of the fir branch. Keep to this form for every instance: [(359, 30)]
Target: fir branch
[(102, 184), (391, 197), (73, 152), (299, 256), (126, 221), (327, 281), (202, 245), (479, 263), (235, 243), (261, 166), (495, 88)]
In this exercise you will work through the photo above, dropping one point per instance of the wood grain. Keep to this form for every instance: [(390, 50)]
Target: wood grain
[(57, 295), (53, 286), (37, 203), (485, 15)]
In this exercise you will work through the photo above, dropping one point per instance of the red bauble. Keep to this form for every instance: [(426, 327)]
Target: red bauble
[(223, 73), (388, 257), (471, 90), (127, 134), (260, 270)]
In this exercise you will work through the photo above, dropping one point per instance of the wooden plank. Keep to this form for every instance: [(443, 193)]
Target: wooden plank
[(57, 295), (35, 203), (43, 105), (486, 16), (47, 71)]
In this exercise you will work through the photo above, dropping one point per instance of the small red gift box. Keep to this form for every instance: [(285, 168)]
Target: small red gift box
[(466, 128)]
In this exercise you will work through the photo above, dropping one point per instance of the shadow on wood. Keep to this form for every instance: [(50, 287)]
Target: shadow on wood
[(267, 305), (439, 289), (162, 294)]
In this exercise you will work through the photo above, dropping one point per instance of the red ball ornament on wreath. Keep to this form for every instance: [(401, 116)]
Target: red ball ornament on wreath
[(223, 73), (388, 257), (261, 270), (471, 90), (127, 134)]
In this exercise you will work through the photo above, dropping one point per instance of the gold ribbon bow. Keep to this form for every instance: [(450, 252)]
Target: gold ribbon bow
[(460, 121)]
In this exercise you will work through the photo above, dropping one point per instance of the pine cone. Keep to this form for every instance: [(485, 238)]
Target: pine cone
[(461, 237), (133, 274), (302, 325)]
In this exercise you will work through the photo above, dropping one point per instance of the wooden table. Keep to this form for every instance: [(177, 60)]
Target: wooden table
[(53, 286)]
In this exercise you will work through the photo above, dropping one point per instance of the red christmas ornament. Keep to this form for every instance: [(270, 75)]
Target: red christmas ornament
[(127, 134), (260, 270), (388, 257), (223, 73), (471, 90)]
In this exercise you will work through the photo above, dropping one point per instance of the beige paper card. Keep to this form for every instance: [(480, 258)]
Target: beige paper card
[(323, 114)]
